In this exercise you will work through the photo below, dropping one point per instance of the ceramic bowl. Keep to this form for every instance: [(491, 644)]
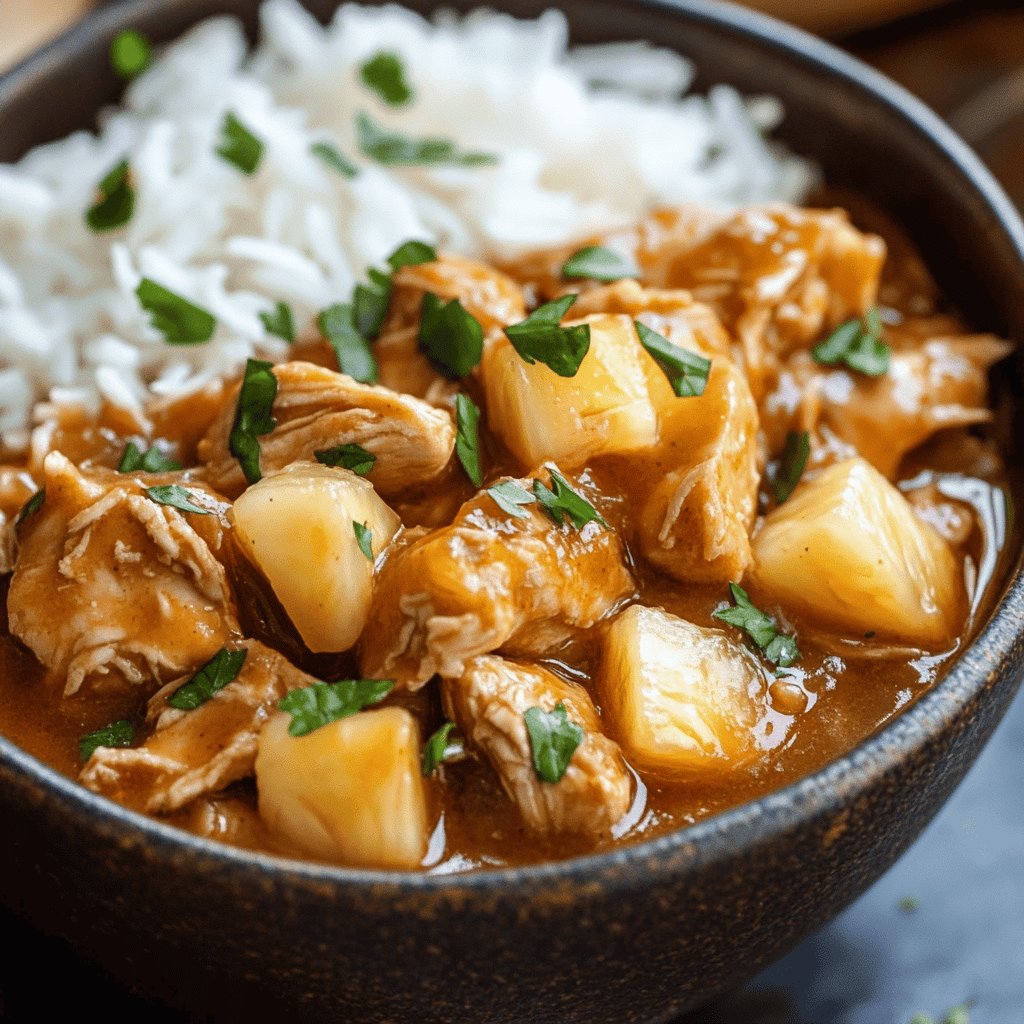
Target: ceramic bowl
[(640, 934)]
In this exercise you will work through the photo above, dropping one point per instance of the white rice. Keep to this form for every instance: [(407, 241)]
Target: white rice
[(587, 138)]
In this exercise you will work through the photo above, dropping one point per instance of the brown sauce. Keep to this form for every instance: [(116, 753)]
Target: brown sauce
[(838, 694)]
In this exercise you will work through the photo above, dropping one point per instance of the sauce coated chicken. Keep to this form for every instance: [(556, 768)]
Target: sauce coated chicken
[(537, 559)]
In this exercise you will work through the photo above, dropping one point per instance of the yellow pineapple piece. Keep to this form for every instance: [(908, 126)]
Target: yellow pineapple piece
[(848, 552), (349, 792), (298, 527)]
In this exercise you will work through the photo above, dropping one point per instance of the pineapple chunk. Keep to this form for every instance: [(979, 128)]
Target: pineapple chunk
[(605, 408), (349, 792), (847, 551), (297, 526), (680, 697)]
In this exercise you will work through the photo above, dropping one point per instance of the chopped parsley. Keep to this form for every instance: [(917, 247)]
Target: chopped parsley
[(440, 747), (599, 263), (394, 149), (253, 416), (117, 734), (412, 254), (779, 648), (467, 438), (347, 456), (220, 670), (322, 703), (957, 1015), (563, 501), (152, 460), (178, 320), (238, 145), (792, 464), (384, 73), (364, 538), (908, 904), (130, 54), (452, 338), (858, 344), (553, 741), (177, 497), (31, 507), (329, 154), (541, 338), (687, 371), (279, 321), (370, 303), (115, 200), (510, 498), (337, 325)]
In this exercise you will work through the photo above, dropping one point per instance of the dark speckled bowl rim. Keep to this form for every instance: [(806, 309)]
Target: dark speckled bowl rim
[(822, 792)]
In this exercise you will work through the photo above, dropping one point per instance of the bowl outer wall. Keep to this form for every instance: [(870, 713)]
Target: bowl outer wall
[(644, 932)]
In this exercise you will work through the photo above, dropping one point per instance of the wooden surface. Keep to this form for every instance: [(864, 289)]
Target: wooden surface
[(26, 24)]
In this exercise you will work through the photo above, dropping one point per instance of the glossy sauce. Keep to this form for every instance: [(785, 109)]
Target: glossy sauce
[(837, 695)]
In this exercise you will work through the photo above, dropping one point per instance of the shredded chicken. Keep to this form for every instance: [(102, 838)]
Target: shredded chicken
[(488, 702), (194, 753), (487, 582), (114, 590), (317, 409), (492, 297), (779, 278)]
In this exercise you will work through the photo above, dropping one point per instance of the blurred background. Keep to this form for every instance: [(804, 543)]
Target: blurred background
[(940, 939)]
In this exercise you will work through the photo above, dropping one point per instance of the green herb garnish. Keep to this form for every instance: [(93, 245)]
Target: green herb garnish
[(564, 501), (441, 747), (253, 416), (220, 670), (394, 149), (541, 338), (957, 1015), (177, 319), (599, 263), (31, 507), (134, 460), (412, 254), (384, 73), (779, 648), (364, 538), (509, 497), (337, 325), (334, 158), (177, 497), (858, 344), (791, 466), (467, 438), (908, 904), (130, 54), (370, 303), (687, 371), (115, 200), (347, 456), (279, 321), (322, 703), (452, 338), (117, 734), (553, 741), (238, 145)]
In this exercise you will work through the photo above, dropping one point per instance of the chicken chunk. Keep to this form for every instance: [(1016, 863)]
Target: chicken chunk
[(113, 589), (779, 278), (489, 700), (695, 521), (489, 581), (194, 753), (317, 409), (487, 294)]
